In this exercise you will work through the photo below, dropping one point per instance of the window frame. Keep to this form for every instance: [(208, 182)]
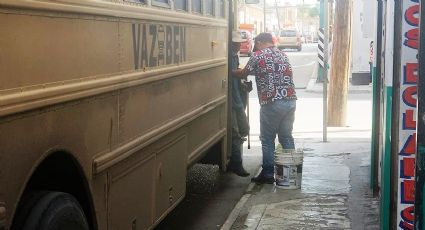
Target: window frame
[(141, 2), (182, 10), (201, 8), (221, 10), (213, 14), (161, 4)]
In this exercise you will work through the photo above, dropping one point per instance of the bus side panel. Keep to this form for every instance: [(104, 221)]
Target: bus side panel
[(205, 131), (82, 128), (131, 195), (38, 49), (147, 107), (81, 46), (147, 185), (43, 50)]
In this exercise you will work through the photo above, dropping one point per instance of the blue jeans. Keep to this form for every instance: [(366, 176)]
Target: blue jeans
[(276, 118)]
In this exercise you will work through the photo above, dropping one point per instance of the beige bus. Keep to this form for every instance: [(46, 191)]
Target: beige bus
[(104, 104)]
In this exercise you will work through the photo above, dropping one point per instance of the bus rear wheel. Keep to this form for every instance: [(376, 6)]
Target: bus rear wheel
[(52, 211)]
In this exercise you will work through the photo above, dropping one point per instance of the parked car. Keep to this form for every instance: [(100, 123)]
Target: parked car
[(248, 44), (289, 38)]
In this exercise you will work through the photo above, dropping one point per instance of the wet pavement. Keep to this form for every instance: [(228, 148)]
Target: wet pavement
[(335, 190), (334, 193)]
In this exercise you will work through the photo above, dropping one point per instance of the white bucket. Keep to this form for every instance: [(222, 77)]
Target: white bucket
[(288, 168)]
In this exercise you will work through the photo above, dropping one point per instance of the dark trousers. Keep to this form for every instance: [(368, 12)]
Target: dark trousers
[(240, 129)]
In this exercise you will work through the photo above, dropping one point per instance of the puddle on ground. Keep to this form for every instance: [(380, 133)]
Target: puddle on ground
[(326, 174), (307, 213)]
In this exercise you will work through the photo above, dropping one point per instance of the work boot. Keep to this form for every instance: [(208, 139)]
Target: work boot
[(238, 170), (260, 179)]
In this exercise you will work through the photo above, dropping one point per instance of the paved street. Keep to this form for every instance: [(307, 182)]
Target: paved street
[(304, 64), (334, 192)]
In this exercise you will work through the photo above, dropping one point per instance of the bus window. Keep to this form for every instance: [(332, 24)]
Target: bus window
[(209, 5), (197, 6), (180, 5), (162, 3), (136, 1), (221, 12)]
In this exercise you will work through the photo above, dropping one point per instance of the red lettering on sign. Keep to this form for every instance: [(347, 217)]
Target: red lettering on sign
[(407, 167), (411, 73), (405, 226), (408, 192), (408, 96), (408, 215), (412, 37), (409, 147), (410, 14), (408, 122)]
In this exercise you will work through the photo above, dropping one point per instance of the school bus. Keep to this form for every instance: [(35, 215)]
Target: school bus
[(104, 104)]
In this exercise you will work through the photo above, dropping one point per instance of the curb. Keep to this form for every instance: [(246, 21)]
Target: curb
[(314, 87), (233, 216)]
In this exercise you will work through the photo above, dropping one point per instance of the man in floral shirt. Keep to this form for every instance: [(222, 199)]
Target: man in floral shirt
[(277, 97)]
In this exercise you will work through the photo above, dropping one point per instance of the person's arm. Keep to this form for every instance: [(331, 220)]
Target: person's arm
[(240, 73), (249, 68)]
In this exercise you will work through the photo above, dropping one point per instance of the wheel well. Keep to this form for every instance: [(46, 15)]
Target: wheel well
[(60, 171), (213, 155)]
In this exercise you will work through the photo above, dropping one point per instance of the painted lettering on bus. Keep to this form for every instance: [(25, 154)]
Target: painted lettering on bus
[(157, 45)]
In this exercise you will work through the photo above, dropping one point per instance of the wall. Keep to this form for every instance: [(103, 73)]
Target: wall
[(363, 15)]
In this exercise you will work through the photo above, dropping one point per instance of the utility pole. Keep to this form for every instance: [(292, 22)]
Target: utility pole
[(277, 15), (264, 12), (340, 66), (325, 70), (302, 19)]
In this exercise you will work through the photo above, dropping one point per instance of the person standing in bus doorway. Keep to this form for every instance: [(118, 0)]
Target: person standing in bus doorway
[(277, 97), (240, 127)]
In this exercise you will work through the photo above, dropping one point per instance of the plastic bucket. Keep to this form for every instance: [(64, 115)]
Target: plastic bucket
[(289, 169)]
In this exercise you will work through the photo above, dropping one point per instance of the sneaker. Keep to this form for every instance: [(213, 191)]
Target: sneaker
[(260, 179), (240, 171)]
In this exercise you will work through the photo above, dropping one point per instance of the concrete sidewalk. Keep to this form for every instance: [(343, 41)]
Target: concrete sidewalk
[(314, 87), (335, 185)]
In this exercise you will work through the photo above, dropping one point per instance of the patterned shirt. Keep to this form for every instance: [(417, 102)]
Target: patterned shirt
[(273, 75)]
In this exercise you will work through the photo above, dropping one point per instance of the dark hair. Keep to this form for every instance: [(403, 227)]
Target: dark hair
[(264, 37)]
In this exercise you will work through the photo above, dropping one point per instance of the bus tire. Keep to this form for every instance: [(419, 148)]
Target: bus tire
[(54, 211)]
